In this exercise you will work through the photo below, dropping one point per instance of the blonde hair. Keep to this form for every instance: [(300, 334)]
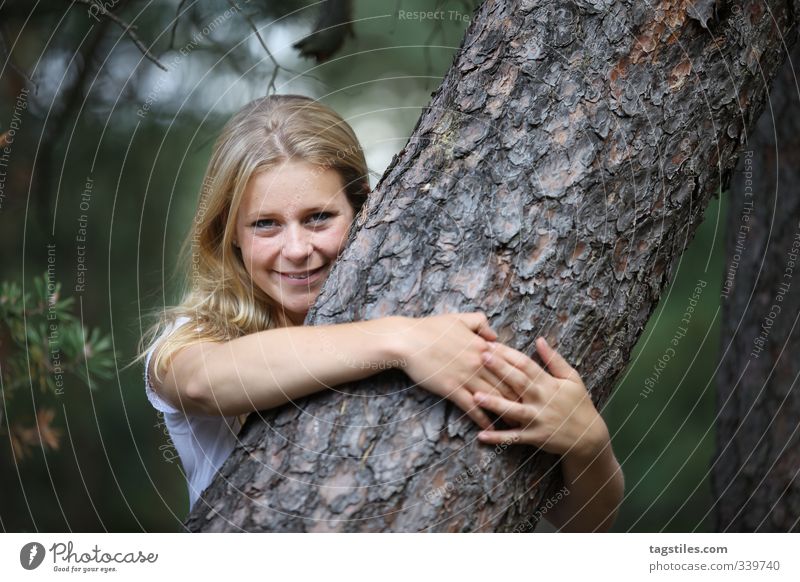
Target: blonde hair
[(220, 299)]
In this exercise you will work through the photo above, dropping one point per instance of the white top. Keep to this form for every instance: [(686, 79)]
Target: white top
[(203, 442)]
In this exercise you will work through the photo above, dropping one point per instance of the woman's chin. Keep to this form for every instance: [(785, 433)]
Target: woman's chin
[(299, 309), (295, 301)]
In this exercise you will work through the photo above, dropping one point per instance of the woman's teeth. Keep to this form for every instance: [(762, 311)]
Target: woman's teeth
[(302, 276)]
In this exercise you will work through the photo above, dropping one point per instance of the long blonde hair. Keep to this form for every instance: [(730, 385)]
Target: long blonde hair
[(220, 299)]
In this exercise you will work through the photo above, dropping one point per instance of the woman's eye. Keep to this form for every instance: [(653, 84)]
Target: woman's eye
[(267, 223), (320, 216)]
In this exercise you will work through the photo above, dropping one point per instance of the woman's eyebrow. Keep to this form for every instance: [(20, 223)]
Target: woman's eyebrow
[(316, 209), (271, 214), (255, 215)]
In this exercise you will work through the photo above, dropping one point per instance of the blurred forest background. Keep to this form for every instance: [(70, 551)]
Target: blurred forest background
[(100, 185)]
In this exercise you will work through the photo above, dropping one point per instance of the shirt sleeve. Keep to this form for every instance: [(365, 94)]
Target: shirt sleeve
[(159, 403)]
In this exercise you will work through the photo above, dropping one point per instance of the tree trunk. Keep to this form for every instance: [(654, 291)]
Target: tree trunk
[(758, 436), (559, 171)]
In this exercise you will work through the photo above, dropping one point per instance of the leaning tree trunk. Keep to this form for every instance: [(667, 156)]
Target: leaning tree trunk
[(758, 435), (557, 174)]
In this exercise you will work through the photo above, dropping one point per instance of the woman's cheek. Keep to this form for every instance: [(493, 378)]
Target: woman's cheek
[(253, 258), (338, 237), (262, 250)]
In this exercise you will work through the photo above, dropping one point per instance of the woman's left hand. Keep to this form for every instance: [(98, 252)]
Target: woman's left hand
[(553, 410)]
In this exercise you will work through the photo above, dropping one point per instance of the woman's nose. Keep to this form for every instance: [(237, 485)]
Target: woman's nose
[(296, 244)]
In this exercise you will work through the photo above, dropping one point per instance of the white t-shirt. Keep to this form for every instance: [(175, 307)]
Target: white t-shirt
[(203, 442)]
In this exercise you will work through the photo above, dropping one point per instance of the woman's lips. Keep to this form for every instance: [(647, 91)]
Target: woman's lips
[(305, 282)]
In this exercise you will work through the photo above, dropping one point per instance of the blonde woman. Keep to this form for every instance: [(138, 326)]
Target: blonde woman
[(286, 179)]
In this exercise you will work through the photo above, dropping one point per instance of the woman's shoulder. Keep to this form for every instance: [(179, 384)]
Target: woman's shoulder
[(181, 321), (171, 326), (155, 399)]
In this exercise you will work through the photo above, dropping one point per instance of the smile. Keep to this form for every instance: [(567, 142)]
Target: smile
[(302, 278)]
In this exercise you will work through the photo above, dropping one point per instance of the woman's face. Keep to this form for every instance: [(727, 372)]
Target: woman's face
[(291, 227)]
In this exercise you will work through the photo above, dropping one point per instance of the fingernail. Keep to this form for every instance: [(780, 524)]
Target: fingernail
[(487, 357), (480, 398)]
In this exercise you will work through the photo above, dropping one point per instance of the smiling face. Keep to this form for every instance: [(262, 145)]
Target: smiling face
[(291, 227)]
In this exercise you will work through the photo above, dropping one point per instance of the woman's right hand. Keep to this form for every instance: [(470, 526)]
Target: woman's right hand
[(445, 355)]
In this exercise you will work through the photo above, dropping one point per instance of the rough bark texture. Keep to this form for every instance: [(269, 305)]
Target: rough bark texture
[(557, 174), (756, 467)]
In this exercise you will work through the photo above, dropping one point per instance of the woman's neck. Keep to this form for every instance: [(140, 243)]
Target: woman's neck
[(292, 320)]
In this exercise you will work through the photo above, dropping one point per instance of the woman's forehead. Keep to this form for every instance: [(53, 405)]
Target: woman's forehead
[(293, 188)]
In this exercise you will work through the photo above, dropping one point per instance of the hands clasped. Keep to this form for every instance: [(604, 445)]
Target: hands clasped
[(456, 357), (552, 411)]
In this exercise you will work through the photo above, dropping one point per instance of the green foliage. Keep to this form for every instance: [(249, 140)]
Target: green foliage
[(41, 344)]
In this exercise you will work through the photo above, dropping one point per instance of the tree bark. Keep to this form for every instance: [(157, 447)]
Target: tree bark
[(755, 470), (559, 171)]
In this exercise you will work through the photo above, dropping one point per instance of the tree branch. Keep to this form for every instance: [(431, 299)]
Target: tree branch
[(175, 24), (10, 60), (333, 25), (126, 27), (276, 64)]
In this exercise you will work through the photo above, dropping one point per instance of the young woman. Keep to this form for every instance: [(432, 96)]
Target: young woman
[(286, 179)]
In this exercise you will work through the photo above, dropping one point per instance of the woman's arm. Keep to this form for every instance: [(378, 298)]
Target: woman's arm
[(269, 368), (555, 413), (596, 487)]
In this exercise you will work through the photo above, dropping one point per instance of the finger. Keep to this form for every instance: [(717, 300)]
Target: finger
[(487, 333), (497, 437), (478, 323), (519, 360), (478, 384), (511, 376), (504, 408), (498, 385), (557, 365), (462, 399), (474, 320)]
